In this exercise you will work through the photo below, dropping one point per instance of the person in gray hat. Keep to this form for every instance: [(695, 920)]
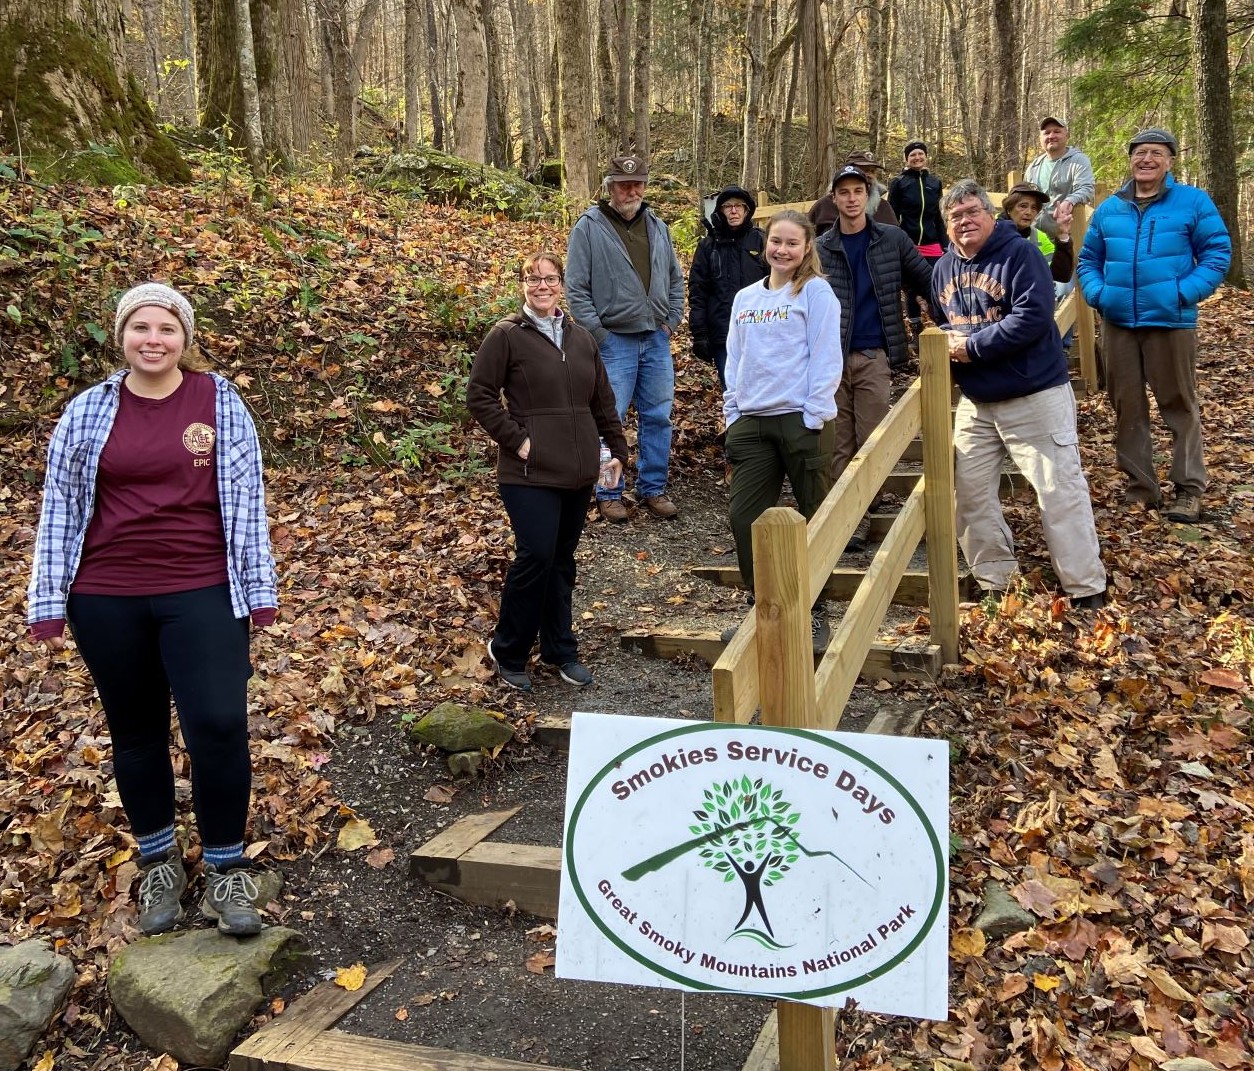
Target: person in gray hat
[(625, 286), (1152, 253), (154, 548), (1063, 173)]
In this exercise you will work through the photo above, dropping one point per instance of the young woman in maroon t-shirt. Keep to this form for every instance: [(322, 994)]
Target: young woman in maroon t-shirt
[(153, 546)]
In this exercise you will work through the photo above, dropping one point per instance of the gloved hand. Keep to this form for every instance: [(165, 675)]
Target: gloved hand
[(701, 350)]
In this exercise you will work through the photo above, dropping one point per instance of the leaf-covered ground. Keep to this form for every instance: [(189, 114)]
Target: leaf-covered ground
[(1101, 762)]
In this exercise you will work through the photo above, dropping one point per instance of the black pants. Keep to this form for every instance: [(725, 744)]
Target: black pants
[(540, 583), (140, 649)]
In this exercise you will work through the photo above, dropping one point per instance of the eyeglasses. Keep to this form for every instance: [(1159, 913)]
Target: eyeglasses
[(1150, 154), (967, 213), (536, 280)]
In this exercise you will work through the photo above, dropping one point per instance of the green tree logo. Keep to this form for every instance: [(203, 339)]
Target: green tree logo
[(745, 829), (749, 827)]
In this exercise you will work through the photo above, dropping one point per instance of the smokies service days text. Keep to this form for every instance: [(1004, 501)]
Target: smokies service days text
[(768, 756)]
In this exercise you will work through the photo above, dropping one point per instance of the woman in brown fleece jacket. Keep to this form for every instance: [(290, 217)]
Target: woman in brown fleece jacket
[(539, 389)]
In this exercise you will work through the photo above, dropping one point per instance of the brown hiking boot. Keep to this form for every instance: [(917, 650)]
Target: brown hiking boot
[(1186, 509), (661, 506), (612, 510)]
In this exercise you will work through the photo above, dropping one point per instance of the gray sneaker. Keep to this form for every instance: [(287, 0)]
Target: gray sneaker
[(160, 892), (230, 897)]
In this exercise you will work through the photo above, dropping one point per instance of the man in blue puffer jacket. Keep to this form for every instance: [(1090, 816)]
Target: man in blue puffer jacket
[(1152, 253), (992, 294)]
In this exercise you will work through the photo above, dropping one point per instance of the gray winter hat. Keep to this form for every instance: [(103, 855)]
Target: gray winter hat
[(1155, 135), (164, 297)]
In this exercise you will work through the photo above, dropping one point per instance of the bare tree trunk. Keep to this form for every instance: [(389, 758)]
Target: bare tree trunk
[(755, 59), (293, 28), (956, 35), (470, 112), (1211, 79), (605, 64), (622, 8), (274, 88), (357, 54), (644, 44), (433, 79), (555, 77), (820, 106), (333, 15), (699, 27), (413, 47), (497, 147), (1006, 147), (150, 21), (877, 75), (578, 145), (187, 37)]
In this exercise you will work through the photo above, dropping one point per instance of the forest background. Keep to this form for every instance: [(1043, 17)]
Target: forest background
[(516, 83)]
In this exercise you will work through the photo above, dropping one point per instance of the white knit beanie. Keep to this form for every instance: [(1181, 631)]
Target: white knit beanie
[(163, 297)]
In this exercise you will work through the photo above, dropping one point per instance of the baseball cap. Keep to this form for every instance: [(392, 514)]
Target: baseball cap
[(849, 171), (1056, 120)]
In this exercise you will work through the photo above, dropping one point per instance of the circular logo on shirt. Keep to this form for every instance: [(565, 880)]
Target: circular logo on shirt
[(199, 438)]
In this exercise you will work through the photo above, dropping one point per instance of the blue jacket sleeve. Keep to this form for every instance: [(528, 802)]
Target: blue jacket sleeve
[(1091, 268), (1212, 251)]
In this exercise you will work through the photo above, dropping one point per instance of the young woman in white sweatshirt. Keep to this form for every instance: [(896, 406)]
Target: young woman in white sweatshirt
[(784, 363)]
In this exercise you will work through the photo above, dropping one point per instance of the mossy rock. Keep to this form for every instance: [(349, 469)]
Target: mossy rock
[(446, 179), (454, 727)]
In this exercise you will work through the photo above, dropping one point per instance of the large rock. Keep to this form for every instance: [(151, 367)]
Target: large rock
[(190, 994), (454, 727), (1002, 915), (33, 983)]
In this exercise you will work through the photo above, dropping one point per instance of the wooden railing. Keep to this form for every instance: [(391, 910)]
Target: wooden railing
[(749, 666)]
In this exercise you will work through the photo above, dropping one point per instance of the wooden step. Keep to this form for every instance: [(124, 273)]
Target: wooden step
[(884, 661), (844, 582)]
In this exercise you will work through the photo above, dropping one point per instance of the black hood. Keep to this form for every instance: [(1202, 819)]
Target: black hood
[(718, 222)]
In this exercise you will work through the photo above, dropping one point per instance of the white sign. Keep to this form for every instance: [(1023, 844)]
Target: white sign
[(797, 864)]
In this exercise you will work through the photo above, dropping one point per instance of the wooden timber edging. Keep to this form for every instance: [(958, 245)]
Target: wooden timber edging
[(301, 1039)]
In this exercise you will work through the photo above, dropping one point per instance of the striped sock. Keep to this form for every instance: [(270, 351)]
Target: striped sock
[(156, 844), (227, 855)]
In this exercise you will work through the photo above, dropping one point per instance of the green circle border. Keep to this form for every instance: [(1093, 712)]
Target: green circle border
[(722, 727)]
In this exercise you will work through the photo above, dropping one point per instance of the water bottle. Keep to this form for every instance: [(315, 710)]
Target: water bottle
[(606, 479)]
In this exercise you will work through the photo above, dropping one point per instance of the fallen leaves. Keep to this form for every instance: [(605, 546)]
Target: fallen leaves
[(351, 978), (355, 833)]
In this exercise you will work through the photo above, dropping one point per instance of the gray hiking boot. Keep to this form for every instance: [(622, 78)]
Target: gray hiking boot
[(160, 892), (230, 896)]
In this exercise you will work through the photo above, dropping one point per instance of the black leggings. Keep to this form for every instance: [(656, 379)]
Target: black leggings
[(547, 524), (140, 649)]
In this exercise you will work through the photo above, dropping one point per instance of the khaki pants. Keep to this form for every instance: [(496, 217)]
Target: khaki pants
[(1165, 359), (1038, 433), (762, 451), (862, 401)]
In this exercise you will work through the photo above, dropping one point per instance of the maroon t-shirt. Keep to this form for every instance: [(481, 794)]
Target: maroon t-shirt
[(157, 526)]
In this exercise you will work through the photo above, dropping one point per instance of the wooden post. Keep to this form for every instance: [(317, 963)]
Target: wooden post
[(1013, 178), (1085, 330), (938, 487), (807, 1035)]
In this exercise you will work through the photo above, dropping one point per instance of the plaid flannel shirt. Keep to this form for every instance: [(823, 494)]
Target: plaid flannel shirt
[(70, 498)]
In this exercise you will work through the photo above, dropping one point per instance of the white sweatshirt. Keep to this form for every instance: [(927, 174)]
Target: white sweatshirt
[(783, 353)]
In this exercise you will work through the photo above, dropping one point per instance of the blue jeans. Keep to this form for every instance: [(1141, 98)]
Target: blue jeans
[(640, 370)]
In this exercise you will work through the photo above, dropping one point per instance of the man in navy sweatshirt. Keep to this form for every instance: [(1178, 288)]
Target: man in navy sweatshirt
[(992, 293)]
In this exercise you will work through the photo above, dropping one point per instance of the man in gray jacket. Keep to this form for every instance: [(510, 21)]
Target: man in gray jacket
[(624, 285), (1063, 172)]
